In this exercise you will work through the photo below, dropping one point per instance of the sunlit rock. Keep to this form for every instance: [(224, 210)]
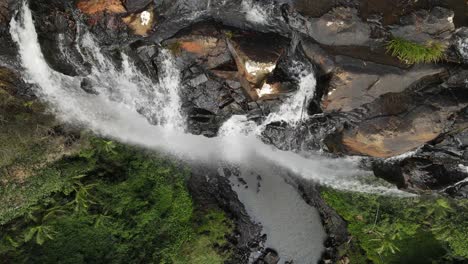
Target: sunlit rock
[(97, 6), (256, 58), (203, 44), (140, 23), (351, 86), (340, 26)]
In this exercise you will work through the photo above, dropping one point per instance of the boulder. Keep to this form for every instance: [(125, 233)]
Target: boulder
[(140, 23), (256, 57), (202, 44), (313, 8), (341, 26), (460, 44), (134, 6), (356, 82), (423, 26), (91, 7), (441, 164)]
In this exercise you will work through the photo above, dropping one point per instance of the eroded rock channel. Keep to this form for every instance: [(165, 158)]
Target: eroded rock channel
[(289, 76)]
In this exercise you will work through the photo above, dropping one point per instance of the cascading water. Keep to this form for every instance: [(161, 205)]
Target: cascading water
[(131, 108), (253, 12)]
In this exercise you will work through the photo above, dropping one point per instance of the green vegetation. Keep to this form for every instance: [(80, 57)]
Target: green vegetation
[(229, 34), (411, 52), (402, 230), (110, 204)]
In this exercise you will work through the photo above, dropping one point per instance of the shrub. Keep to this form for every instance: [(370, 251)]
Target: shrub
[(402, 230), (411, 52), (112, 204)]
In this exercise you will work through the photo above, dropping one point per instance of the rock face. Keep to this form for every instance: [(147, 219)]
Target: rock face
[(461, 44), (356, 82), (210, 189), (98, 6), (423, 26), (341, 26), (245, 57), (134, 6)]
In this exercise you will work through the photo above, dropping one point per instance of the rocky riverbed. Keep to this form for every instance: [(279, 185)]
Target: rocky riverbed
[(248, 57)]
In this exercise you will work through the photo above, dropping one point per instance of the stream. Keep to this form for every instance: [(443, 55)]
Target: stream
[(128, 106)]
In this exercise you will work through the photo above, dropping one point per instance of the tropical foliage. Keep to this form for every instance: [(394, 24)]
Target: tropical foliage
[(402, 230), (114, 204)]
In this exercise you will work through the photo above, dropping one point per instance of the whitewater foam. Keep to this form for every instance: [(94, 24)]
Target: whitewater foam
[(130, 107)]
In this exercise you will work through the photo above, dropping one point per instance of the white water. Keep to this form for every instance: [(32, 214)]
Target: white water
[(133, 109), (254, 13), (293, 110)]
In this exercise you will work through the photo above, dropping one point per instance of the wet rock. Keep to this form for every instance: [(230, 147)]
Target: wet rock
[(458, 78), (341, 26), (202, 44), (313, 8), (256, 57), (439, 165), (460, 44), (390, 125), (423, 26), (134, 6), (270, 256), (318, 56), (459, 190), (88, 86), (140, 23), (357, 82), (56, 28), (209, 188)]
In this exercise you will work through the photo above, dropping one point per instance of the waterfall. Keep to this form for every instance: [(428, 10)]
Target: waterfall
[(254, 13), (294, 108), (129, 107)]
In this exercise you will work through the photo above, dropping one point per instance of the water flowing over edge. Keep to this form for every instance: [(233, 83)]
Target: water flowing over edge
[(130, 107)]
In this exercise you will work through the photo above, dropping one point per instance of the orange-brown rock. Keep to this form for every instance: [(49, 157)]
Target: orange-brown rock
[(91, 7)]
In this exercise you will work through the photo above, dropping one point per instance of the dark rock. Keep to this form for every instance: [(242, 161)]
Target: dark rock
[(88, 86), (460, 44), (423, 26), (56, 28), (358, 82), (133, 6), (313, 8), (390, 125), (270, 256), (318, 56), (208, 188), (4, 13), (439, 165)]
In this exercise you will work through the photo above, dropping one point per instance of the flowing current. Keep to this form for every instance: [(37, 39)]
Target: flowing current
[(130, 107), (126, 105)]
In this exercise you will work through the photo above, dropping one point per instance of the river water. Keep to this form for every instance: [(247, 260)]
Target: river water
[(132, 108)]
